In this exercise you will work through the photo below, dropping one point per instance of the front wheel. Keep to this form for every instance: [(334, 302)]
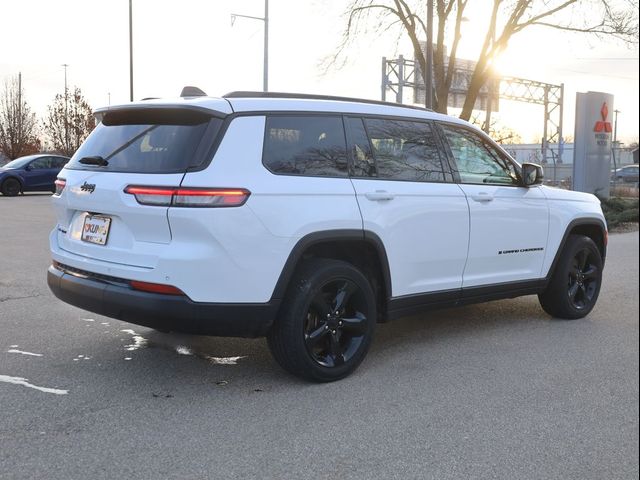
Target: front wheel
[(326, 323), (575, 284)]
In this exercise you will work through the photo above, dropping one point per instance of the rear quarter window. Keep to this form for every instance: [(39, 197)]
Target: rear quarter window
[(305, 145), (147, 141)]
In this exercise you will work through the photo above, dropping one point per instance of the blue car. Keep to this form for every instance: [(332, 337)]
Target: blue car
[(33, 173)]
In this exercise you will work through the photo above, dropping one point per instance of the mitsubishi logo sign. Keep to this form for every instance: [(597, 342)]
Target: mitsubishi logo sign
[(603, 126), (592, 145)]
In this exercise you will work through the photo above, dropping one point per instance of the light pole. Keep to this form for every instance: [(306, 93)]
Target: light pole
[(265, 19), (130, 51), (614, 147)]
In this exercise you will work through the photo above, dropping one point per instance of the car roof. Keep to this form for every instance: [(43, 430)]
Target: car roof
[(39, 155), (258, 102)]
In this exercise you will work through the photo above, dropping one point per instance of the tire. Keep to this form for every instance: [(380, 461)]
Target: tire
[(575, 284), (326, 322), (10, 187)]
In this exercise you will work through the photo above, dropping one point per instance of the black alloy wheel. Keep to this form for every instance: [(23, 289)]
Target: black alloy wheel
[(336, 325), (10, 187), (326, 321), (574, 286), (584, 279)]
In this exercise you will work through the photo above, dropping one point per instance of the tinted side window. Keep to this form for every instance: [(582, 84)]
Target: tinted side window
[(311, 145), (41, 163), (363, 163), (405, 150), (58, 162), (477, 161)]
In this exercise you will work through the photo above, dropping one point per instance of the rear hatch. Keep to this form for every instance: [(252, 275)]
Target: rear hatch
[(155, 147)]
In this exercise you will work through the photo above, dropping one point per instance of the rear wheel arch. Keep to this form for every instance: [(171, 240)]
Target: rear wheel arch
[(362, 249)]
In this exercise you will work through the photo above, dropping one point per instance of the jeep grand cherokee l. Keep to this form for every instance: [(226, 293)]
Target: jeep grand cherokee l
[(308, 219)]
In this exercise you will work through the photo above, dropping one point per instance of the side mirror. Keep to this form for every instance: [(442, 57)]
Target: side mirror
[(28, 168), (532, 174)]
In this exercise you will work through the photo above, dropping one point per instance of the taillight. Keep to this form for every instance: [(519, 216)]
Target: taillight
[(60, 184), (188, 197), (155, 288)]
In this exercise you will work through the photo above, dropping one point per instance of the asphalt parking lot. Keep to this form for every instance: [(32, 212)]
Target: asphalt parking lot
[(498, 390)]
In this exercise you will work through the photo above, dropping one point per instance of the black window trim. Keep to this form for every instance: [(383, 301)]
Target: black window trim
[(487, 141), (352, 161)]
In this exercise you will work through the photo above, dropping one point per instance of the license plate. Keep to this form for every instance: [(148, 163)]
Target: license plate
[(96, 229)]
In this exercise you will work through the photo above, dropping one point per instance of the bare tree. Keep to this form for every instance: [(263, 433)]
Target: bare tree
[(507, 18), (69, 122), (18, 126), (499, 132)]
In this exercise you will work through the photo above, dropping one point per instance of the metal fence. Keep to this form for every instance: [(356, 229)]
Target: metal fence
[(558, 170)]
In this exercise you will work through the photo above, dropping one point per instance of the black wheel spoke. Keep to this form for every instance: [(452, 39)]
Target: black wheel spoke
[(582, 259), (583, 292), (573, 291), (591, 272), (315, 336), (343, 296), (335, 351), (356, 324)]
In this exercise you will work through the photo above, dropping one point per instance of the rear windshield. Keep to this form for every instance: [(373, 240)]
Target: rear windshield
[(146, 141)]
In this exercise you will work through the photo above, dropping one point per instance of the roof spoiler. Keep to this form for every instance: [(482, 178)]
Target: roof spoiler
[(189, 91)]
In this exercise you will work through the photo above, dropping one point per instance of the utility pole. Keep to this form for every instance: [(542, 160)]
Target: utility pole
[(66, 108), (130, 51), (428, 73), (265, 60), (265, 63)]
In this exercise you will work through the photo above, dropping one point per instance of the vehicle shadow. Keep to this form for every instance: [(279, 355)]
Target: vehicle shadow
[(247, 362)]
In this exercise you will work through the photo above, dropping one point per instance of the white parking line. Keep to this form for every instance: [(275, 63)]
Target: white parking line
[(13, 350), (25, 383)]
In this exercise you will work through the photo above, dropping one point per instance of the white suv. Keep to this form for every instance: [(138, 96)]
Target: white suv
[(307, 219)]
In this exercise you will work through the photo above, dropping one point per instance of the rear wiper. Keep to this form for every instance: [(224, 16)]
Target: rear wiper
[(94, 160)]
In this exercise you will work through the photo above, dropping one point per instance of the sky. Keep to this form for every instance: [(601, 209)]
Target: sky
[(192, 42)]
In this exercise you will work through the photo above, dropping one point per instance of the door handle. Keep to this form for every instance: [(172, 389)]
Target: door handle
[(379, 196), (482, 197)]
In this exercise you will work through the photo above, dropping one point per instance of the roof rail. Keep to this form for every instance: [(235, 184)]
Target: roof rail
[(308, 96)]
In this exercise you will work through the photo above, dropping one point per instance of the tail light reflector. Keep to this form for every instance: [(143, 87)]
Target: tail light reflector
[(60, 183), (189, 197), (155, 288)]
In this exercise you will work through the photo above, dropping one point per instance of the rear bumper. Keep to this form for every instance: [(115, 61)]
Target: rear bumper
[(163, 312)]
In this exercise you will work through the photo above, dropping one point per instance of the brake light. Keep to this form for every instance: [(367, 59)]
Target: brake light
[(155, 288), (60, 183), (188, 197)]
